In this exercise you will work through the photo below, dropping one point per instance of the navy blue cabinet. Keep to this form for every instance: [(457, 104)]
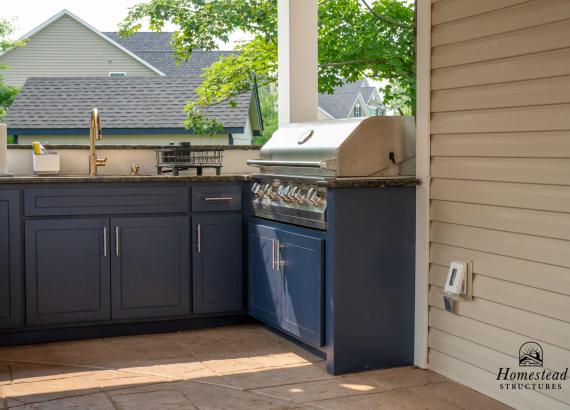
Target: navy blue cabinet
[(217, 263), (301, 262), (10, 274), (286, 281), (265, 286), (150, 267), (67, 271)]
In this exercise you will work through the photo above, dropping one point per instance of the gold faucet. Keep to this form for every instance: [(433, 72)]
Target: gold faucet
[(95, 134)]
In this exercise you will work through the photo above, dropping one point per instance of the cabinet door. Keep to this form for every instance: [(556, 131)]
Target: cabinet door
[(10, 291), (264, 278), (67, 271), (150, 267), (217, 269), (301, 262)]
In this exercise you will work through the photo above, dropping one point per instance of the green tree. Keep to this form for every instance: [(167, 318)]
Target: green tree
[(356, 38), (268, 104), (7, 92)]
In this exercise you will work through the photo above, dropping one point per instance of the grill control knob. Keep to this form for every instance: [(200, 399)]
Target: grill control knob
[(268, 190), (257, 190), (281, 191), (300, 196), (315, 198), (293, 193)]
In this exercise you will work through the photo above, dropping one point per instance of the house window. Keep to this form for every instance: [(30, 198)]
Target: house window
[(357, 111), (373, 110), (117, 74), (381, 112)]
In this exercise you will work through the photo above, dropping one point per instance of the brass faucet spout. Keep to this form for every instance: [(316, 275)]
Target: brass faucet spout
[(95, 133)]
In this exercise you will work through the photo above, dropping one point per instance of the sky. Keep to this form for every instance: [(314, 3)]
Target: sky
[(104, 15)]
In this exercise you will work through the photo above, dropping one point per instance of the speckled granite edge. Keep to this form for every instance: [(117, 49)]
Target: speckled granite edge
[(136, 147), (121, 179), (371, 182), (338, 183)]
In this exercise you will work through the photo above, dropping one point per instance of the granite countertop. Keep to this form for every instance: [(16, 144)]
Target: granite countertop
[(328, 183), (380, 182), (121, 179)]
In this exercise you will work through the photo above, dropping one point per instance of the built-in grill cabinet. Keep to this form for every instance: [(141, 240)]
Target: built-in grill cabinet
[(331, 239)]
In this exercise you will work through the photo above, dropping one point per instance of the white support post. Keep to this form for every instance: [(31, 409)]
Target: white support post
[(297, 55), (423, 94)]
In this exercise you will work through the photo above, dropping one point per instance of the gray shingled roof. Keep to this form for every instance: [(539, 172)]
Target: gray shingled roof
[(339, 104), (155, 49), (124, 102)]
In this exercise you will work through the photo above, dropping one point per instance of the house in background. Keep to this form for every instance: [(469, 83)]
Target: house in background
[(134, 110), (351, 100), (66, 46)]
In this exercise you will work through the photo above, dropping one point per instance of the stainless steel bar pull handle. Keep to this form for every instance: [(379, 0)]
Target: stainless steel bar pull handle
[(218, 198), (278, 262), (105, 241), (273, 254), (117, 241), (199, 238)]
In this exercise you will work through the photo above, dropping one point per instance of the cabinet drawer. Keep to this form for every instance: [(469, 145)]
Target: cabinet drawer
[(105, 200), (216, 198)]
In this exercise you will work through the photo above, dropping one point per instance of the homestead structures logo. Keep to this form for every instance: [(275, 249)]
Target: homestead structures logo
[(533, 377), (530, 354)]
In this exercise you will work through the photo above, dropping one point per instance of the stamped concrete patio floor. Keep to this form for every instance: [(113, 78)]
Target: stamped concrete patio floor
[(238, 367)]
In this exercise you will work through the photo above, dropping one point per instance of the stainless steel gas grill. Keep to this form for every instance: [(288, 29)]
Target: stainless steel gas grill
[(298, 161)]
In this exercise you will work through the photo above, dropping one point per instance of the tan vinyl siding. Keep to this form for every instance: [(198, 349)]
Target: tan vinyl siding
[(500, 189), (67, 48)]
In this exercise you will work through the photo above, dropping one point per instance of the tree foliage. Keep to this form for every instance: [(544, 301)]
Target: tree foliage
[(356, 38), (7, 92), (268, 104)]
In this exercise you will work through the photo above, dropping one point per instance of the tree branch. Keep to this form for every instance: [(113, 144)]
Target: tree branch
[(352, 62), (384, 19), (255, 87)]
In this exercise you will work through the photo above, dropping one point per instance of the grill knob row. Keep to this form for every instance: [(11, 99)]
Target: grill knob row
[(287, 193)]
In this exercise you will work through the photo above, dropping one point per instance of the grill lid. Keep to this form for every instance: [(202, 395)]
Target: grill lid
[(362, 147)]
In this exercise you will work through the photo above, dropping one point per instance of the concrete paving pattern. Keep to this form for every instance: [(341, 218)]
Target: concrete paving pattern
[(236, 367)]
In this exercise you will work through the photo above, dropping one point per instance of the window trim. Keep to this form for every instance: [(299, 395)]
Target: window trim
[(357, 111)]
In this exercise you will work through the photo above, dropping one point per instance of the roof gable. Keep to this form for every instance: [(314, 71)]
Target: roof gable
[(341, 103), (67, 13)]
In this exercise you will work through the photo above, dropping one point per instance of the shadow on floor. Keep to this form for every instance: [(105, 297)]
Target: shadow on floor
[(237, 367)]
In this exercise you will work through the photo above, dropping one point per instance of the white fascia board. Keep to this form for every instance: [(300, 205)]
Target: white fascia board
[(326, 113)]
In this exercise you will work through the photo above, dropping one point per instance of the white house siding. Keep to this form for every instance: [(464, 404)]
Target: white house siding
[(246, 137), (160, 139), (500, 190), (66, 48)]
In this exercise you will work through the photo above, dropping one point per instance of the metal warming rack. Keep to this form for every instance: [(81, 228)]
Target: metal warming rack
[(182, 157)]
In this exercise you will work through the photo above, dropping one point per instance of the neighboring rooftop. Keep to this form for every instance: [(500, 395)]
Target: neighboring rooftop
[(124, 102), (340, 103), (155, 49)]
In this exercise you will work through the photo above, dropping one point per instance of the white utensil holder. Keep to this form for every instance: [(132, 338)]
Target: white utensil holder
[(46, 164)]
